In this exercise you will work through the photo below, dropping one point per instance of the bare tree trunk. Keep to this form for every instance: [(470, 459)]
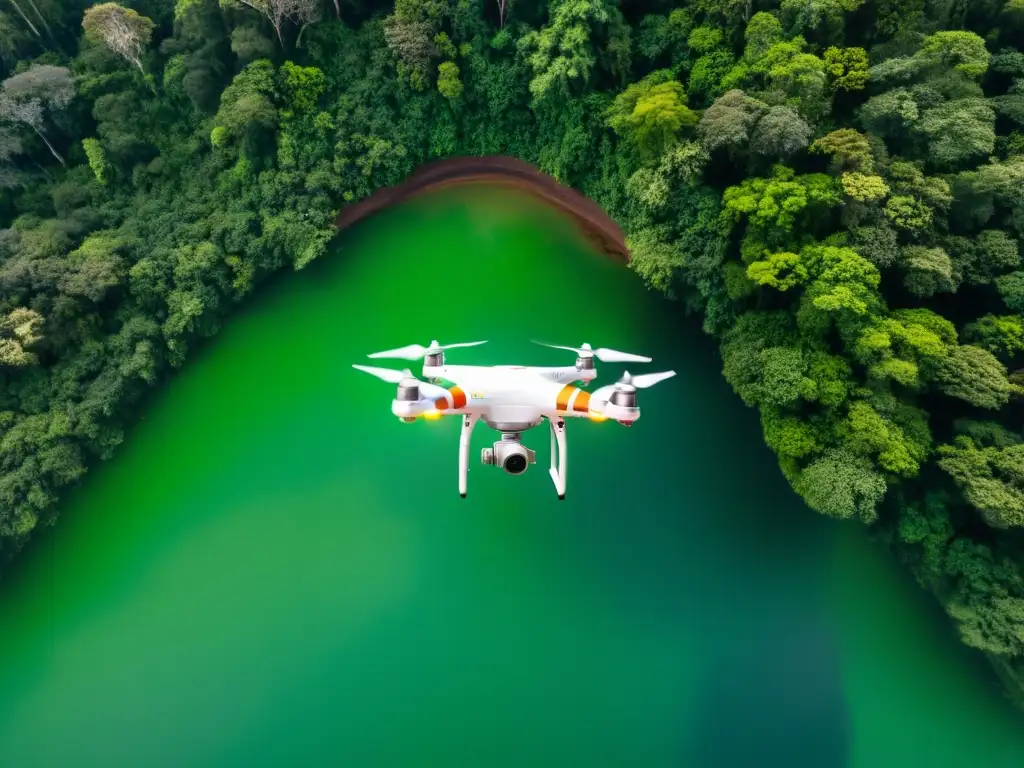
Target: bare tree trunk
[(299, 38), (337, 8), (37, 165), (48, 145), (502, 12), (277, 28), (43, 20), (22, 14)]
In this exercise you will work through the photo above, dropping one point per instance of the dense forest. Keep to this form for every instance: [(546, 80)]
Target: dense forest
[(835, 186)]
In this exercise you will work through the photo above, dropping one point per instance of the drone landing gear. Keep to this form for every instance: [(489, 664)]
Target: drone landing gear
[(557, 471), (468, 422)]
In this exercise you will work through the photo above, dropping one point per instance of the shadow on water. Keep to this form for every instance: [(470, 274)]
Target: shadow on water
[(770, 692), (774, 702)]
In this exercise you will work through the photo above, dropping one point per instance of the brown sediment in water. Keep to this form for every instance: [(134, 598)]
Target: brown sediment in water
[(498, 170)]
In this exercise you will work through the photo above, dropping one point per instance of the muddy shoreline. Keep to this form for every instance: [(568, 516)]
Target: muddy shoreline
[(499, 170)]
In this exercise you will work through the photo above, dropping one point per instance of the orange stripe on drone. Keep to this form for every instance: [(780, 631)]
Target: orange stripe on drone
[(456, 399), (582, 402), (459, 397), (579, 399), (562, 401)]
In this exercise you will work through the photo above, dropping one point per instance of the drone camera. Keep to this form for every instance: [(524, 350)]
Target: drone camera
[(509, 454)]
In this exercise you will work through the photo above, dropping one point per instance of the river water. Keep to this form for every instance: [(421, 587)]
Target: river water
[(275, 571)]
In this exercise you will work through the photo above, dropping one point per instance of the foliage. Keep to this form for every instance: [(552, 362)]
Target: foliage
[(651, 113), (448, 82), (97, 161), (565, 52), (847, 68)]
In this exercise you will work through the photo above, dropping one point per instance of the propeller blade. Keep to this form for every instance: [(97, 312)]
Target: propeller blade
[(411, 352), (385, 374), (443, 347), (418, 351), (556, 346), (613, 356), (603, 354), (647, 379)]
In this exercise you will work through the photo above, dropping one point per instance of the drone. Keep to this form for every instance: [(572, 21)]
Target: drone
[(512, 399)]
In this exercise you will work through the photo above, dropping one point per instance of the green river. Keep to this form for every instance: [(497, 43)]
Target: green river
[(275, 571)]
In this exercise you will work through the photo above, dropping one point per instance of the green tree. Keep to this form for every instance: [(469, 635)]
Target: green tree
[(97, 160), (448, 82), (991, 478), (650, 114), (655, 260), (959, 131), (974, 375), (1002, 335), (762, 32), (581, 35), (300, 86), (842, 485), (19, 330), (847, 68), (961, 50), (247, 104), (780, 133), (727, 124), (929, 271)]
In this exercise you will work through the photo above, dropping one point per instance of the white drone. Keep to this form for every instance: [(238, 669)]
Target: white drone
[(512, 399)]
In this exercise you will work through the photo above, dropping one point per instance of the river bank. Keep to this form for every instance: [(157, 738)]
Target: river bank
[(496, 171)]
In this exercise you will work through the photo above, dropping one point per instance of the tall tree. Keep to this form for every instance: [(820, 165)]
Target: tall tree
[(27, 97), (277, 12), (121, 29)]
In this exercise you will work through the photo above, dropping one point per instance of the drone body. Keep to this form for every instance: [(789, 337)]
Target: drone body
[(512, 399)]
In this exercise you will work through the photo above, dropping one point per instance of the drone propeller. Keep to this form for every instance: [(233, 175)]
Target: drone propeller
[(418, 351), (386, 374), (431, 391), (603, 354), (622, 394), (645, 380)]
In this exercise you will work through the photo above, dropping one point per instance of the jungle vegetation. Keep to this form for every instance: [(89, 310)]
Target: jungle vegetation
[(836, 187)]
